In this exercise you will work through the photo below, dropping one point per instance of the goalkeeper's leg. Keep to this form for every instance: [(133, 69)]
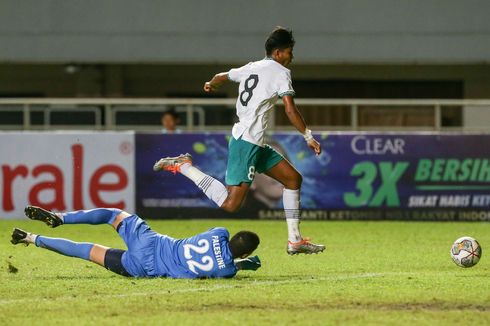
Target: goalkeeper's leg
[(91, 216), (101, 255)]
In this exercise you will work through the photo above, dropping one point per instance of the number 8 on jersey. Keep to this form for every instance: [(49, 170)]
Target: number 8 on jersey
[(248, 89)]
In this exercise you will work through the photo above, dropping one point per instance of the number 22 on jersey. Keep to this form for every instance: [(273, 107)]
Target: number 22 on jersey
[(206, 264)]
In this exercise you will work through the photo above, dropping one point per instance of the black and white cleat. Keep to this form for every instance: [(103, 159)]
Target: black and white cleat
[(40, 214), (20, 236)]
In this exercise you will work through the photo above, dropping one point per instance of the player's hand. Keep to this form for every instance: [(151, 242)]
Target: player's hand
[(208, 87), (315, 146)]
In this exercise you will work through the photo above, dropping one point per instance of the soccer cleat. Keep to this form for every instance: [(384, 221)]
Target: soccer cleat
[(172, 164), (40, 214), (21, 236), (304, 247)]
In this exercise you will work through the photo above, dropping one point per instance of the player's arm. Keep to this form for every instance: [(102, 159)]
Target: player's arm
[(299, 123), (216, 82), (249, 263)]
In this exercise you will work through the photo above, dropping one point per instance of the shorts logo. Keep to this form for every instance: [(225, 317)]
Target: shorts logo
[(251, 173)]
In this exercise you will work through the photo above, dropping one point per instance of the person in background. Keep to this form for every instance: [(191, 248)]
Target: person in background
[(170, 120)]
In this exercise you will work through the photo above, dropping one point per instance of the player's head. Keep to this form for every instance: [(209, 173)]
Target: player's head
[(243, 244), (279, 45), (170, 119)]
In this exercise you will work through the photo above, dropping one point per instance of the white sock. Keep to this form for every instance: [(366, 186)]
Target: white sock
[(290, 199), (31, 237), (214, 189)]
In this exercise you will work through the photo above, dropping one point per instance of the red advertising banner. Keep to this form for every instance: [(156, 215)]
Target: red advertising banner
[(65, 171)]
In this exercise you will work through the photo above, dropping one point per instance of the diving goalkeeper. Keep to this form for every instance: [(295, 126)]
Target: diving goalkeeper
[(210, 254)]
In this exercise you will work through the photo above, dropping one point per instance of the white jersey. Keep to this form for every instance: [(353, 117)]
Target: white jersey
[(261, 83)]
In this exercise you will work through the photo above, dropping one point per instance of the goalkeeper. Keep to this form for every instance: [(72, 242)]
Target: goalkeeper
[(210, 254)]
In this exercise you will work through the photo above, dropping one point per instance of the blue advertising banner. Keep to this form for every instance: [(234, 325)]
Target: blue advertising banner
[(421, 176)]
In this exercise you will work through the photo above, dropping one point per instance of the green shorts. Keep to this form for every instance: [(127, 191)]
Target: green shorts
[(245, 159)]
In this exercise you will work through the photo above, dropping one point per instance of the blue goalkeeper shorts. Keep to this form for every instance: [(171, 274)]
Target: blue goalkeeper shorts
[(139, 259)]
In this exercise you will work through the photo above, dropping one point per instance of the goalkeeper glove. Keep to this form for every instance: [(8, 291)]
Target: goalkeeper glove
[(249, 263)]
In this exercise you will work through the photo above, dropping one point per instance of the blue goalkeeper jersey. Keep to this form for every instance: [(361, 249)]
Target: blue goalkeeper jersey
[(204, 255), (150, 254)]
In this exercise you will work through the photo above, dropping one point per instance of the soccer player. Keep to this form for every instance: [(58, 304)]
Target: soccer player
[(261, 83), (210, 254)]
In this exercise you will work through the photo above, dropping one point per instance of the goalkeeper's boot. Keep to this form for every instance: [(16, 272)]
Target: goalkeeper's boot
[(40, 214), (304, 247), (172, 164), (21, 236)]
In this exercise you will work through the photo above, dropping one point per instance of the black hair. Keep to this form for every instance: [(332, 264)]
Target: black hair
[(244, 242), (280, 38), (171, 112)]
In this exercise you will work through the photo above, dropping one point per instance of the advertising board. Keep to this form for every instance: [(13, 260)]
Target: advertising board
[(66, 171)]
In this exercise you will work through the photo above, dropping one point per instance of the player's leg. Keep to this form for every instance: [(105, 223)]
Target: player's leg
[(235, 198), (291, 179), (109, 258), (101, 255), (213, 189), (242, 157), (91, 216), (119, 218), (62, 246), (229, 198), (139, 260)]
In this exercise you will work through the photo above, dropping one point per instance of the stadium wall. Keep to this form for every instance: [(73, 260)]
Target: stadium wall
[(328, 31), (422, 176)]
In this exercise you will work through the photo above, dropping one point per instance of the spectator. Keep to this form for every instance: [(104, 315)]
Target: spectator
[(170, 120)]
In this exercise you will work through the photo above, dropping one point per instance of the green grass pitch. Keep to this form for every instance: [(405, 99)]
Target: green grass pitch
[(371, 273)]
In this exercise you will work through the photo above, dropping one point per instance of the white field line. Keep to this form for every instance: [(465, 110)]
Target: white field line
[(200, 289)]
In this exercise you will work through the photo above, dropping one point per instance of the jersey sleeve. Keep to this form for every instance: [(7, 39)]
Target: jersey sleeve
[(285, 85), (223, 231), (236, 74)]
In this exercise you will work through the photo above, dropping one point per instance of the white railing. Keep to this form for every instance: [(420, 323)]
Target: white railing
[(106, 110)]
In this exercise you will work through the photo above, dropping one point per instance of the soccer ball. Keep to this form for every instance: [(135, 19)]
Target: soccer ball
[(466, 252)]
